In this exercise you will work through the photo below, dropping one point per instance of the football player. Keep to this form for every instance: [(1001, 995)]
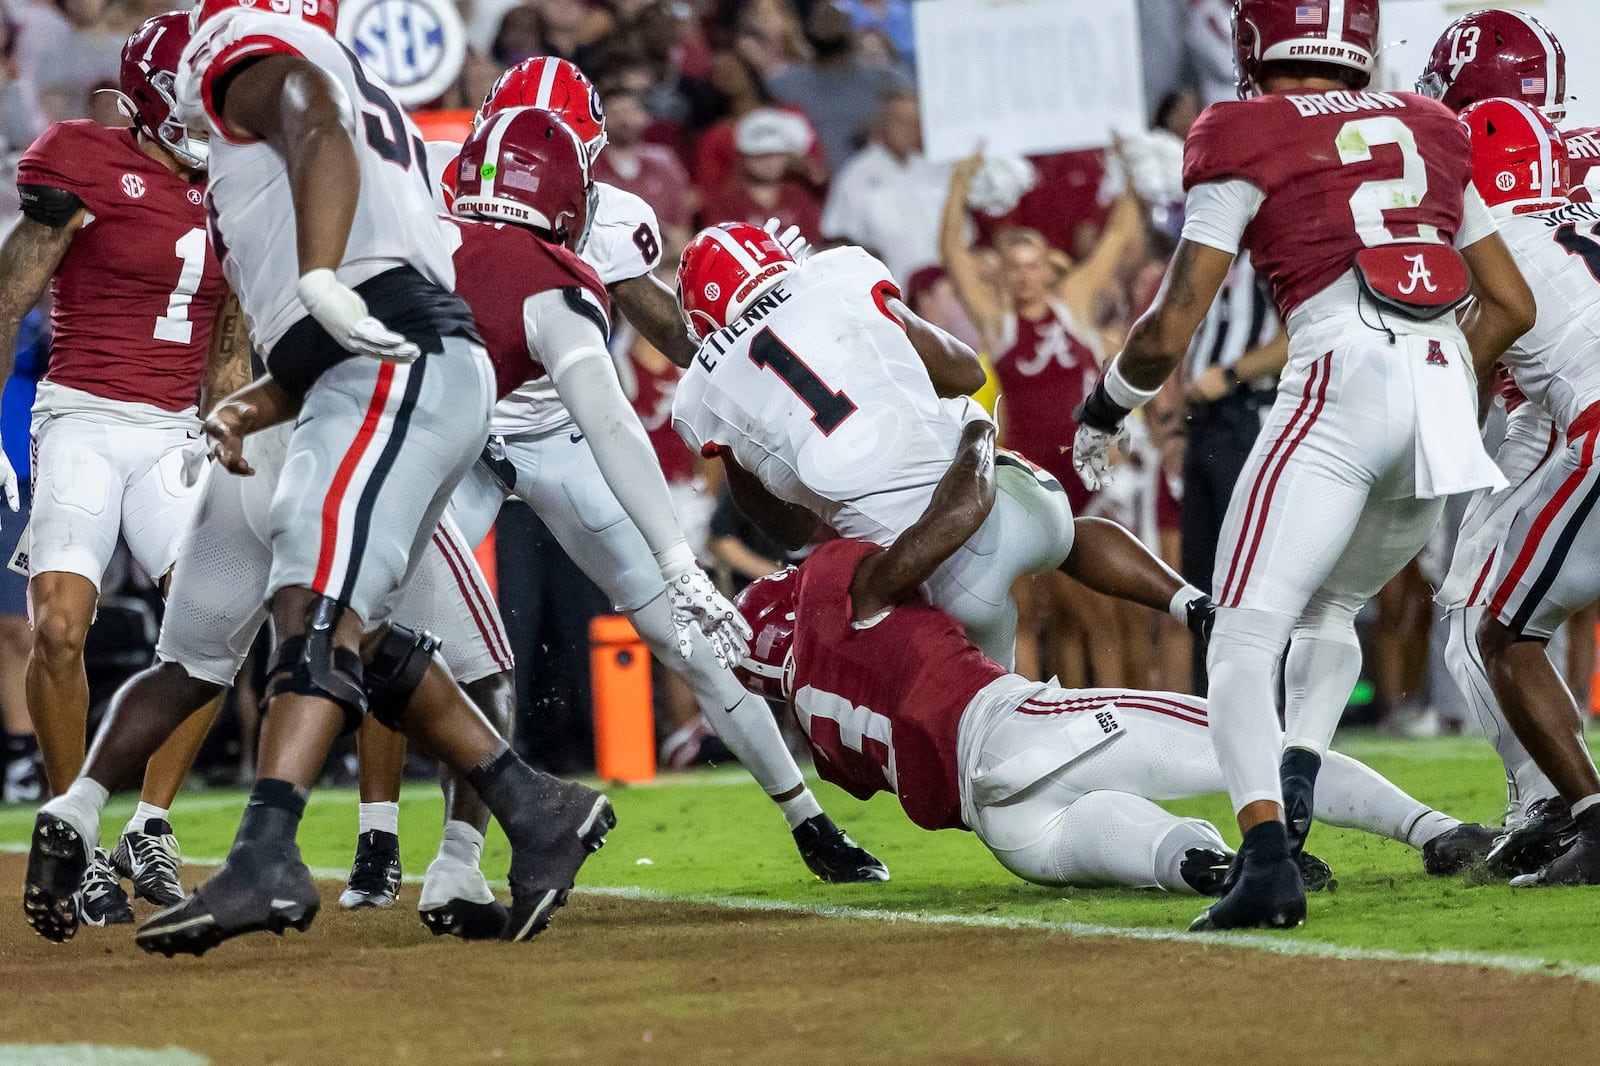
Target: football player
[(1058, 784), (143, 330), (1549, 565), (1375, 423), (541, 455), (829, 399)]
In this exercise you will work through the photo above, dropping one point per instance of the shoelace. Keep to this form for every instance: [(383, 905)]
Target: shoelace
[(98, 881), (149, 850), (370, 873)]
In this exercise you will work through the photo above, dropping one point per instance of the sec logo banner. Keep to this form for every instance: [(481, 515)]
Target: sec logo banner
[(416, 46)]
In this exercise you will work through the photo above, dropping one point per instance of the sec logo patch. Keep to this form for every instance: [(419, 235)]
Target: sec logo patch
[(133, 185), (1505, 181), (713, 290)]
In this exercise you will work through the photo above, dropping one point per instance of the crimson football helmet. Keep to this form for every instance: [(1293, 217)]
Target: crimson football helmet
[(148, 82), (555, 85), (323, 14), (1518, 157), (525, 165), (1498, 53), (722, 272), (768, 605), (1270, 31)]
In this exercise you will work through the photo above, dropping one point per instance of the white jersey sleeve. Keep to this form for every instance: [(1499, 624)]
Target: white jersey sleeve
[(624, 238), (1216, 213)]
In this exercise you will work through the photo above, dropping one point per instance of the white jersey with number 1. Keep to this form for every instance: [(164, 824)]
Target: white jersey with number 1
[(818, 392)]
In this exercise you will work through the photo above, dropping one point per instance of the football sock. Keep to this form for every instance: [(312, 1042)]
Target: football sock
[(801, 808), (80, 806), (1352, 795), (1428, 825), (1322, 668), (462, 843), (142, 814), (273, 813), (383, 816), (1243, 661)]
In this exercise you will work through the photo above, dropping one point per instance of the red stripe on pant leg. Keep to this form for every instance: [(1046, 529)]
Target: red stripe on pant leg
[(1272, 483), (1152, 709), (342, 477), (464, 583), (1488, 568), (471, 589), (1255, 487), (1541, 526)]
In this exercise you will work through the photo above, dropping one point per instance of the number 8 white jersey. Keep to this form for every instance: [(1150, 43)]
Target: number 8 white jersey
[(818, 392), (251, 211)]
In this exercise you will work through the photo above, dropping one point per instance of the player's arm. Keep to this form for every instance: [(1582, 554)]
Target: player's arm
[(953, 367), (29, 256), (1502, 307), (788, 525), (1123, 234), (652, 309), (228, 366), (965, 274), (259, 405), (961, 503)]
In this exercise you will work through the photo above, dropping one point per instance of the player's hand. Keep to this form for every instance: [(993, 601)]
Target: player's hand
[(226, 428), (793, 241), (8, 481), (343, 313), (1201, 618), (696, 604), (1091, 454), (1212, 384)]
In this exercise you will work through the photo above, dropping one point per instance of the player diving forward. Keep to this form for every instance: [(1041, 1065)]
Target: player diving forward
[(1059, 784), (1375, 422)]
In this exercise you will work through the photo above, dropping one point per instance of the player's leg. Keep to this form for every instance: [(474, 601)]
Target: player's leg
[(375, 871), (1112, 561), (571, 497)]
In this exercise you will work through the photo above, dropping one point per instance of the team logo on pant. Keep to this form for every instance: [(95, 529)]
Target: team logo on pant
[(1420, 275), (1436, 355)]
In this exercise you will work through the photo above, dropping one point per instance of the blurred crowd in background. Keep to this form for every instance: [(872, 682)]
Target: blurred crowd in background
[(806, 111)]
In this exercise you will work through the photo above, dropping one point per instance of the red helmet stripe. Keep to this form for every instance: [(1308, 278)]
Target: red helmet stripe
[(1546, 162), (731, 245), (1538, 31)]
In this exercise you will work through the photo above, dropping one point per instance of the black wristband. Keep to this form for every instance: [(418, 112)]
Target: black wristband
[(1100, 411)]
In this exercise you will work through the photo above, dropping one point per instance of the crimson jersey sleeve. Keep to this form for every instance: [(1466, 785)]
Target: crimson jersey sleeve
[(1220, 146), (62, 158)]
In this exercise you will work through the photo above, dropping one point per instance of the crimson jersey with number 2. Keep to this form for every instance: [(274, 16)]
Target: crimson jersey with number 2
[(134, 297), (818, 392), (1340, 171)]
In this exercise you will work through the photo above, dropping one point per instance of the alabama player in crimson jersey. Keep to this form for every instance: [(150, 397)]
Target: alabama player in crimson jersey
[(1057, 783), (143, 331), (543, 457), (1549, 565), (1353, 205)]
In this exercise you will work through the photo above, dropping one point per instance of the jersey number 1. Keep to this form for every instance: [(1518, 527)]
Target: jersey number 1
[(828, 408), (174, 326)]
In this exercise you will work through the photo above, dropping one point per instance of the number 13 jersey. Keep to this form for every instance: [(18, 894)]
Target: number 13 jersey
[(251, 210), (817, 391)]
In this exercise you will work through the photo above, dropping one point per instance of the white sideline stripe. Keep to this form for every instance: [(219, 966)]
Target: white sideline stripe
[(99, 1055), (1276, 945)]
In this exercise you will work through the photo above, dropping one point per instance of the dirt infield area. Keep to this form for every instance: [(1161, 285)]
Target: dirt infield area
[(618, 981)]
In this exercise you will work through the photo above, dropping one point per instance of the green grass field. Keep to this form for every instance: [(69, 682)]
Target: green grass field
[(713, 837)]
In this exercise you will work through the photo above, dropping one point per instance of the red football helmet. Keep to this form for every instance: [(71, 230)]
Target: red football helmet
[(1498, 53), (524, 165), (555, 85), (320, 13), (722, 272), (768, 605), (148, 82), (1268, 31), (1517, 155)]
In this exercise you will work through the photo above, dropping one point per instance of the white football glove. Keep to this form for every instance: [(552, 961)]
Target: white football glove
[(8, 481), (1091, 454), (343, 313), (798, 247), (697, 605)]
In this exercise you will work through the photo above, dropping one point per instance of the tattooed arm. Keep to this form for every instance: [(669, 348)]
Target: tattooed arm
[(1159, 340), (228, 367), (29, 256), (652, 309)]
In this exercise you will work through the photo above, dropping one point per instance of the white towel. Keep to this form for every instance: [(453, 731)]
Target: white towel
[(1450, 455)]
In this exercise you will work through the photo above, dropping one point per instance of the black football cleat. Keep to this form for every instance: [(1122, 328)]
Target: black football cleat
[(263, 887), (1315, 874), (1578, 865), (1547, 830), (574, 821), (375, 873), (456, 901), (835, 858), (1459, 850), (150, 859), (1207, 870), (1267, 895), (102, 901), (57, 861)]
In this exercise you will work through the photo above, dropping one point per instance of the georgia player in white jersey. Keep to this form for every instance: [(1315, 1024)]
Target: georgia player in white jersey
[(1550, 563), (542, 458)]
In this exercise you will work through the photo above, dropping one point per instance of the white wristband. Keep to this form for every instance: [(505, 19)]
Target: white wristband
[(1179, 607), (1124, 394), (675, 560)]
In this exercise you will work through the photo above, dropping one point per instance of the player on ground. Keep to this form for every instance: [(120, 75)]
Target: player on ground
[(1375, 423), (1058, 784), (1480, 56), (828, 398), (1548, 566), (543, 457), (143, 330)]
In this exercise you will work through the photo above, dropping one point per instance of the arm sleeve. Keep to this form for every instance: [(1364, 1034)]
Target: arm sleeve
[(573, 351), (1217, 213), (1476, 221)]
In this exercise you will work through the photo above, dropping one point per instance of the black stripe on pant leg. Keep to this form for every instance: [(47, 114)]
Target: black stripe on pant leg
[(380, 473), (1558, 556)]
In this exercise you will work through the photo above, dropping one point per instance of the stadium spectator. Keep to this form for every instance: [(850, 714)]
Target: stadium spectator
[(838, 90), (650, 171), (888, 197), (544, 28), (769, 142), (1209, 34), (770, 37), (66, 66), (891, 18), (735, 90)]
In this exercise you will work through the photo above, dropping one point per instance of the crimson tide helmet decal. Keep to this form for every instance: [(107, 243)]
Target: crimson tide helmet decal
[(1342, 33)]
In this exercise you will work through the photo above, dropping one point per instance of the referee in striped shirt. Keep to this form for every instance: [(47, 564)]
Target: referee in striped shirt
[(1231, 377)]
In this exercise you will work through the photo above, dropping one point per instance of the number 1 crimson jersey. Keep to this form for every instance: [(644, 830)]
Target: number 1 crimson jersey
[(134, 297), (1339, 172), (881, 700)]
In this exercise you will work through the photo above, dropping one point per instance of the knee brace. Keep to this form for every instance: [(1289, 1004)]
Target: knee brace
[(310, 665), (394, 670)]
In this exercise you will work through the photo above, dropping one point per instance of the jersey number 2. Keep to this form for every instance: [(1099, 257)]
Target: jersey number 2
[(1373, 199), (828, 408), (174, 326)]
